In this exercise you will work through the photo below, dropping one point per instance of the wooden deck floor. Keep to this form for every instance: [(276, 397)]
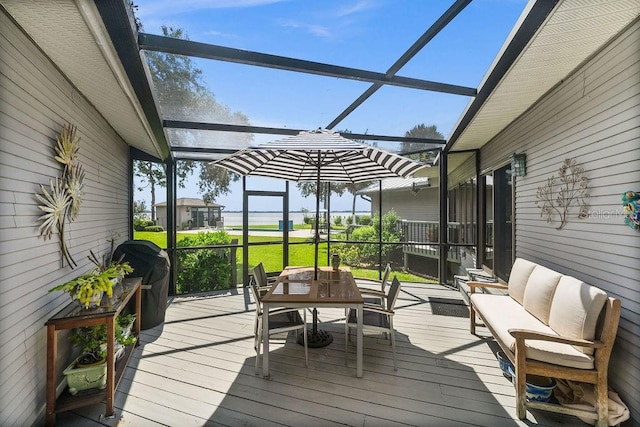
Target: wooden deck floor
[(198, 369)]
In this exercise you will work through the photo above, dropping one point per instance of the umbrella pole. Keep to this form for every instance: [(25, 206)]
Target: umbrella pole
[(317, 236), (316, 337)]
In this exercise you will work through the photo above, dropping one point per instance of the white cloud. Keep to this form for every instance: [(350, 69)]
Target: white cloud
[(218, 34), (316, 30), (356, 7)]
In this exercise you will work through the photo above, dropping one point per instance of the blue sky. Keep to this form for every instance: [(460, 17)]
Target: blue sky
[(364, 34)]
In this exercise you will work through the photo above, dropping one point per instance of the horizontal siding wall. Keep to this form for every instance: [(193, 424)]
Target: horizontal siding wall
[(36, 102), (594, 118), (421, 206)]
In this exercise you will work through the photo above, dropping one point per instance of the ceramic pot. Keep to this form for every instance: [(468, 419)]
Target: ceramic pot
[(94, 302), (335, 261), (86, 377)]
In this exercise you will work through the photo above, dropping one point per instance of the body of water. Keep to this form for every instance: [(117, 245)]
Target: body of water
[(234, 219)]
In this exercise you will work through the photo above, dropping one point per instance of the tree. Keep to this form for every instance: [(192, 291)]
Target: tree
[(153, 175), (139, 208), (183, 95), (214, 181), (309, 188), (415, 150)]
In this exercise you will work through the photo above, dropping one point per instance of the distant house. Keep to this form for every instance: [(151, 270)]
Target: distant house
[(411, 198), (192, 213)]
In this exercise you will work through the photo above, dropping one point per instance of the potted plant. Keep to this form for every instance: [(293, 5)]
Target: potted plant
[(89, 369), (89, 288)]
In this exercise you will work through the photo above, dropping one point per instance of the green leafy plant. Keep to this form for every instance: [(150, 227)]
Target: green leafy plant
[(92, 340), (367, 253), (84, 287), (139, 224), (200, 268)]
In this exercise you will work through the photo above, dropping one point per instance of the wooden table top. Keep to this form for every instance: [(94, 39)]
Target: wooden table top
[(297, 285)]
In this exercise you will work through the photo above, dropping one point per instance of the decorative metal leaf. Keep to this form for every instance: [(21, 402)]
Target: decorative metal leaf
[(54, 204), (75, 184), (68, 144), (62, 200)]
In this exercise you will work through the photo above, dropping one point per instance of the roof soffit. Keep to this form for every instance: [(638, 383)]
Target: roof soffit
[(574, 31), (72, 35)]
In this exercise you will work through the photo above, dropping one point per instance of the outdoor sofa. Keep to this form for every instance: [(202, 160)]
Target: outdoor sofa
[(551, 325)]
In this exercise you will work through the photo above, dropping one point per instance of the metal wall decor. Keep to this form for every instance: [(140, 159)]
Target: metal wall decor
[(631, 209), (559, 195), (62, 202)]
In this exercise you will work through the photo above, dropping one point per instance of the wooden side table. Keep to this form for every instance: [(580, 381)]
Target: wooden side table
[(74, 316)]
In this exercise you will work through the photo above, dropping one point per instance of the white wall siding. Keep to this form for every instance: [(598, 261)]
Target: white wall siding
[(423, 206), (594, 118), (36, 102)]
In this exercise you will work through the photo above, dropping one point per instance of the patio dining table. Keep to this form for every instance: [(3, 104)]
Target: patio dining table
[(296, 287)]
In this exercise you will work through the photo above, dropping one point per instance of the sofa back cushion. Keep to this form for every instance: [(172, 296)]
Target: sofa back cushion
[(520, 273), (539, 292), (575, 310)]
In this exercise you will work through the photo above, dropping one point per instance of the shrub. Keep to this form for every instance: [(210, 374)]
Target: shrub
[(349, 220), (141, 224), (154, 228), (349, 254), (204, 269), (365, 220), (367, 253), (337, 220), (390, 230)]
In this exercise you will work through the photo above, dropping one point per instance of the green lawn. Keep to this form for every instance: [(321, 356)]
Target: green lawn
[(271, 254)]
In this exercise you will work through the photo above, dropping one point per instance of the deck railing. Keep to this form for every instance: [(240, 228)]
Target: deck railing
[(422, 238)]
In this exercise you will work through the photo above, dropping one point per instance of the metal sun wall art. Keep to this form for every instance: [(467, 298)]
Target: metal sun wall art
[(572, 191), (62, 201)]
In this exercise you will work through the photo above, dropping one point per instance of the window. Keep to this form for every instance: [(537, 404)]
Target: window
[(487, 182), (502, 236)]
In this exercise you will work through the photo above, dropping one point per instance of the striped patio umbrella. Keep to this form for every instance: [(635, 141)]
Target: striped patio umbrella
[(319, 155)]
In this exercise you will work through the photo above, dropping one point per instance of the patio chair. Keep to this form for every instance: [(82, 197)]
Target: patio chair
[(280, 320), (376, 318), (373, 296), (262, 280)]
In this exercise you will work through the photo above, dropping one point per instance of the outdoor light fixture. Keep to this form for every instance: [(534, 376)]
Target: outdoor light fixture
[(519, 164), (414, 188)]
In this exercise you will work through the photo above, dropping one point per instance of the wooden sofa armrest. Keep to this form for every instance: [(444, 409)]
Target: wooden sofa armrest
[(527, 334), (473, 285)]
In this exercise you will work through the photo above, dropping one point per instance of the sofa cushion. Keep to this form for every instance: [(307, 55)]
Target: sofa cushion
[(539, 292), (520, 273), (575, 309), (501, 313)]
